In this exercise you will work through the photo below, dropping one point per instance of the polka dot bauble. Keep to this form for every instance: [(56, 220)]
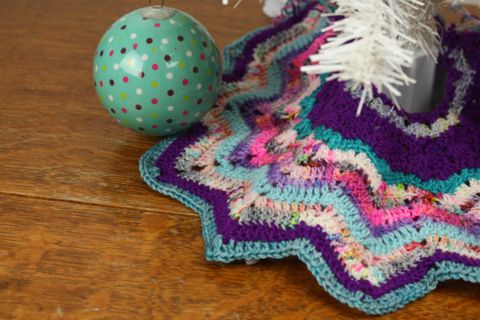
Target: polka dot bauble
[(157, 75)]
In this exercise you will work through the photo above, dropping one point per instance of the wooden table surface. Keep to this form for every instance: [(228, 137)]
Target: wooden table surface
[(82, 236)]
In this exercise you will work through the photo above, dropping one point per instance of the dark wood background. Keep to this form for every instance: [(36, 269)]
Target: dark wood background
[(81, 235)]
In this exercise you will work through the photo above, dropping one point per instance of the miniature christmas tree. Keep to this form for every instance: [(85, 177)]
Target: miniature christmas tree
[(376, 42)]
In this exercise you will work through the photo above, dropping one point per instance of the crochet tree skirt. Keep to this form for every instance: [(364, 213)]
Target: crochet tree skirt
[(380, 207)]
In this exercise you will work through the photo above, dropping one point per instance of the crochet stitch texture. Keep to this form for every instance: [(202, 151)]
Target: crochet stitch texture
[(380, 207)]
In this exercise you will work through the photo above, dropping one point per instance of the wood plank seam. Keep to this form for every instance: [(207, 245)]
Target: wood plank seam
[(97, 204)]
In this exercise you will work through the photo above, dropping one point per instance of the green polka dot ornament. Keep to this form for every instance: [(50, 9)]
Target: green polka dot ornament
[(157, 70)]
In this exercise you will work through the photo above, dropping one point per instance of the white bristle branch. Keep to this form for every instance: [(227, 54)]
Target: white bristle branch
[(374, 41)]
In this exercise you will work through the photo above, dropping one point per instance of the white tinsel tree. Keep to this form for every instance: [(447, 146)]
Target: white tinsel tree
[(375, 40)]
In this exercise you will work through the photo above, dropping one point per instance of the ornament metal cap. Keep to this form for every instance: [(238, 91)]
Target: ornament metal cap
[(157, 12)]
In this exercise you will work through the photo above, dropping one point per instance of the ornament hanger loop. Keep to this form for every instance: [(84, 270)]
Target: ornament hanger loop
[(157, 7), (157, 12)]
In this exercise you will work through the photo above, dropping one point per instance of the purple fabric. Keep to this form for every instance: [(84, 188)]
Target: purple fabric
[(231, 230), (429, 158)]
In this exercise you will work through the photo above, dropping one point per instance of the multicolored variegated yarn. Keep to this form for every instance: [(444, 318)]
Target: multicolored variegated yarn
[(380, 207)]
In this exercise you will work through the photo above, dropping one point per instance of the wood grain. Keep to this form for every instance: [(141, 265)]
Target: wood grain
[(60, 260), (82, 236)]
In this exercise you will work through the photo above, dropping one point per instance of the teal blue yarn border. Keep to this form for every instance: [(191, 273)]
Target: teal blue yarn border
[(217, 251)]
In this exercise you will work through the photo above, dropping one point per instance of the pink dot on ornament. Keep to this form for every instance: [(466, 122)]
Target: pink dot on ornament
[(185, 113), (155, 66), (154, 101), (210, 88), (135, 46), (185, 82), (111, 53), (125, 79), (101, 83), (183, 123), (202, 56), (124, 110), (157, 25), (154, 126)]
